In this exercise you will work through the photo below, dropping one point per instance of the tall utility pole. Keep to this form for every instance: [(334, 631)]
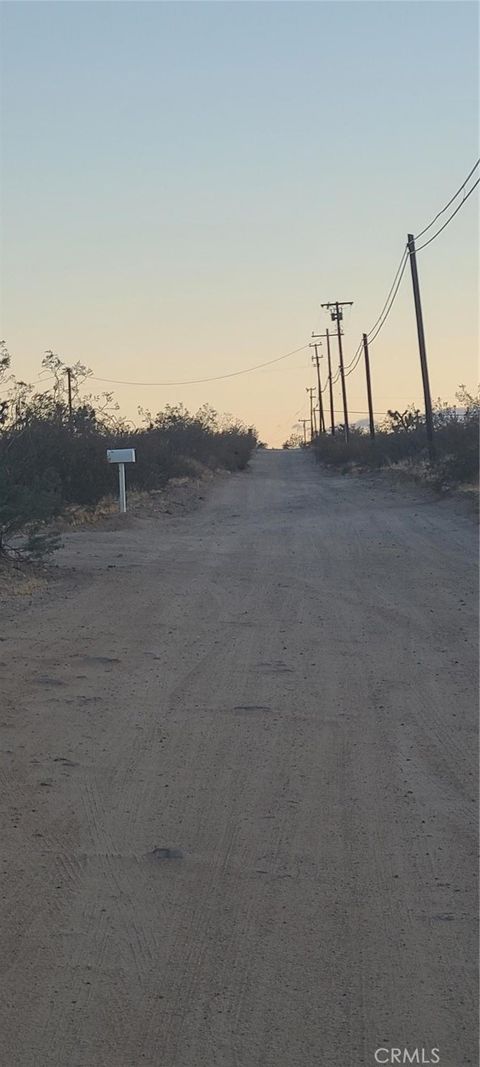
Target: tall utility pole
[(304, 423), (369, 386), (70, 405), (422, 347), (312, 414), (316, 359), (337, 316), (330, 380), (330, 384)]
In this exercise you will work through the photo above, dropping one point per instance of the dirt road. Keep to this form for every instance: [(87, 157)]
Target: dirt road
[(238, 781)]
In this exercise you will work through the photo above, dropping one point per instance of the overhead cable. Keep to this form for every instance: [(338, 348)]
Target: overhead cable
[(392, 301), (200, 381), (400, 266), (444, 209), (452, 216)]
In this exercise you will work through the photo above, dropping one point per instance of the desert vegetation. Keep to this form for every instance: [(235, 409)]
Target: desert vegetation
[(401, 441), (53, 449), (294, 441)]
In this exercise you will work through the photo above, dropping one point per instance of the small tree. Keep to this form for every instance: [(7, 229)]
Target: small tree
[(470, 402), (23, 509), (4, 368), (403, 421), (294, 441)]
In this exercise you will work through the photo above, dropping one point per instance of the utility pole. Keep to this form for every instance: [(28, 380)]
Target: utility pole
[(330, 384), (312, 415), (304, 423), (316, 359), (337, 316), (330, 380), (315, 431), (70, 405), (369, 386), (422, 347)]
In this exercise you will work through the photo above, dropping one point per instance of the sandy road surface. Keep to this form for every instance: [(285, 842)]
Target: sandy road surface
[(280, 689)]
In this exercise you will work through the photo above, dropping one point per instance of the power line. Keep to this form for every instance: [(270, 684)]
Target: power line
[(355, 365), (403, 264), (392, 301), (444, 209), (351, 366), (372, 335), (355, 356), (375, 330), (452, 216), (387, 307), (404, 256), (389, 302), (353, 412), (200, 381)]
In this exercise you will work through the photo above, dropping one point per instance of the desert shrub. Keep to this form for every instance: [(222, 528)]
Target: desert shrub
[(47, 448), (24, 509), (402, 437), (294, 441), (51, 457)]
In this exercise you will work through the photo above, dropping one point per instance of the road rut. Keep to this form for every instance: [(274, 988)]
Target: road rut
[(239, 785)]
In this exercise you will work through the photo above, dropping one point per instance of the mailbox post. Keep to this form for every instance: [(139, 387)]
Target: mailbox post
[(121, 456), (122, 488)]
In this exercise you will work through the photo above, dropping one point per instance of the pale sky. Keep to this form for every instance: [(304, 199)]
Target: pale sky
[(185, 183)]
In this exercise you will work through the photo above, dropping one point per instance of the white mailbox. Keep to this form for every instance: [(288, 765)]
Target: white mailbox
[(121, 456)]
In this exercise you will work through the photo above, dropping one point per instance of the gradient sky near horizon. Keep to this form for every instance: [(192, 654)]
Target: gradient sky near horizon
[(183, 184)]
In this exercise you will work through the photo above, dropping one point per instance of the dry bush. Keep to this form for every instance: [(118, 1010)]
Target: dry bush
[(52, 459), (402, 439)]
